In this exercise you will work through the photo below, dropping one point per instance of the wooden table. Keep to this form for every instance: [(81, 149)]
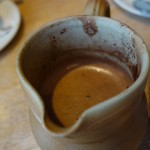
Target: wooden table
[(15, 131)]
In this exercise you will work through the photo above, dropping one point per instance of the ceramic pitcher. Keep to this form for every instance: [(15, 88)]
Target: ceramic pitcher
[(118, 123)]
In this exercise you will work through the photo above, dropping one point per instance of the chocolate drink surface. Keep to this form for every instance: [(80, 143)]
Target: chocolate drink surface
[(80, 83)]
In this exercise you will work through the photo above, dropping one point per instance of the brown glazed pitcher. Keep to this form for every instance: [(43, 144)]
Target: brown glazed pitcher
[(118, 123)]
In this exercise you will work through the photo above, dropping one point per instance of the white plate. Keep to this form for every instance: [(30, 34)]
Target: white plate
[(128, 6), (10, 19)]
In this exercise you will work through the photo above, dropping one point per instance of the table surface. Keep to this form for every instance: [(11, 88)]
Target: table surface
[(15, 131)]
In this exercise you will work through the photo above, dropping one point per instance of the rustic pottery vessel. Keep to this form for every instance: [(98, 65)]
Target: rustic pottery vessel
[(118, 123)]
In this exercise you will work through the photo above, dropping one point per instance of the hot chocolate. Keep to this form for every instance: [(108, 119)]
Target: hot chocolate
[(82, 85)]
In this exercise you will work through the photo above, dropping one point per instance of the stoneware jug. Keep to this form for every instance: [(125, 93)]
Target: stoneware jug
[(118, 123)]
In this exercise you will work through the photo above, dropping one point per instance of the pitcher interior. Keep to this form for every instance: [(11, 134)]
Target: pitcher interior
[(79, 36)]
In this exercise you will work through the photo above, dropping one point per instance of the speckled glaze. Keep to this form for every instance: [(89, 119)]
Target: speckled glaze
[(118, 123)]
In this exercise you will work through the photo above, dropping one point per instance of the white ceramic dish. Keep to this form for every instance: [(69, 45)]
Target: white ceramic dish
[(128, 6), (10, 20)]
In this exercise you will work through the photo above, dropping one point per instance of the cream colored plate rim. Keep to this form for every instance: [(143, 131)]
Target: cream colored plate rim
[(128, 6), (10, 14)]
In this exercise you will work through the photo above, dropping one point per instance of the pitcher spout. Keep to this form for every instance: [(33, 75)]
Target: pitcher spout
[(96, 117), (101, 123)]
